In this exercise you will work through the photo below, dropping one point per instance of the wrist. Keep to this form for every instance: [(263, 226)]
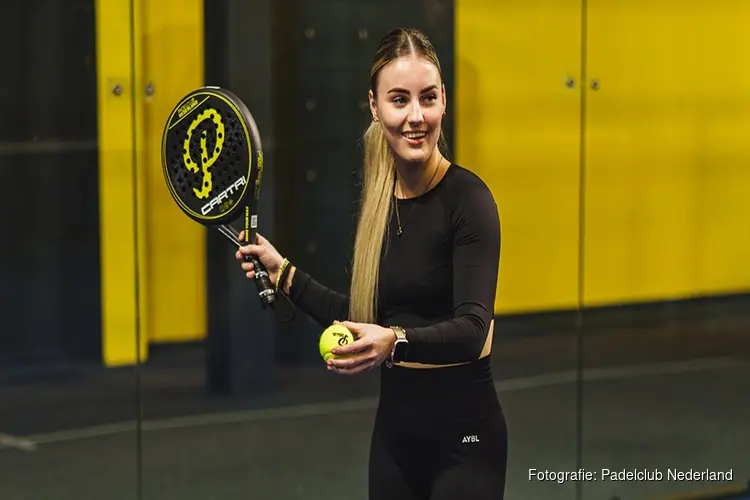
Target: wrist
[(287, 285), (284, 274)]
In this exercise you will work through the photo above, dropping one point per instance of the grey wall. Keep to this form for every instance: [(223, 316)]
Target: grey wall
[(49, 225)]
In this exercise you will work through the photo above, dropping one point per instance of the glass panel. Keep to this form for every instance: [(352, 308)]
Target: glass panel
[(666, 249), (67, 348)]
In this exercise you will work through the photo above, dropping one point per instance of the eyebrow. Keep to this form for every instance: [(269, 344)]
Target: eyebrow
[(404, 91)]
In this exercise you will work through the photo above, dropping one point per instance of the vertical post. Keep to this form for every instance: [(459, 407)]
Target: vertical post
[(295, 200), (240, 355), (121, 305)]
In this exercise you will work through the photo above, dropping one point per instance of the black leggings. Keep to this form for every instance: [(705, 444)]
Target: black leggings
[(439, 434)]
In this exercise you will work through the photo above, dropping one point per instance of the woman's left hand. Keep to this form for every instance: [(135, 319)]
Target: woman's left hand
[(372, 346)]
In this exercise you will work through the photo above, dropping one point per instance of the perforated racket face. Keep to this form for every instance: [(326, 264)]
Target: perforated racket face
[(207, 156)]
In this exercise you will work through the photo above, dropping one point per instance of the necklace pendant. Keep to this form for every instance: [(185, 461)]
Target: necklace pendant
[(399, 232)]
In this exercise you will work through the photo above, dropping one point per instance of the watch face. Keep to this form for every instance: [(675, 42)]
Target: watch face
[(399, 351)]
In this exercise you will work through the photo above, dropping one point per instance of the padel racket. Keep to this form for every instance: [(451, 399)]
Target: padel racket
[(213, 164)]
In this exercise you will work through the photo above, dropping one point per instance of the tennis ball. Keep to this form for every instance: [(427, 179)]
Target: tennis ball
[(334, 335)]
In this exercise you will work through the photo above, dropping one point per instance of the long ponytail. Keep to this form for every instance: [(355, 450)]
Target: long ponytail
[(378, 183)]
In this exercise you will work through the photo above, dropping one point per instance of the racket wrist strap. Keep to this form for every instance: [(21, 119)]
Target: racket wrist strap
[(283, 271)]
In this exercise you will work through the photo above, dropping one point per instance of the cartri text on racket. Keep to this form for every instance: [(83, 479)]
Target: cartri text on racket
[(223, 196), (625, 475)]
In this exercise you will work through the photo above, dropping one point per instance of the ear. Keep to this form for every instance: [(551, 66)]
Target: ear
[(445, 100), (373, 106)]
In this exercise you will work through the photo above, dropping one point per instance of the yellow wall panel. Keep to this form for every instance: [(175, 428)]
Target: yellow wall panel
[(174, 245), (117, 118), (518, 126), (723, 146), (667, 148)]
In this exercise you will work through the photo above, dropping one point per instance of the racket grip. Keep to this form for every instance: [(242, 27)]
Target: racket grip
[(266, 290)]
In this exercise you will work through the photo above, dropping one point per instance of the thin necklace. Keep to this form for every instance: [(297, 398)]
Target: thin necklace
[(400, 229)]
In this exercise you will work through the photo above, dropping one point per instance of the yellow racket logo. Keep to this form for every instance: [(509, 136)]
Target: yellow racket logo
[(207, 158)]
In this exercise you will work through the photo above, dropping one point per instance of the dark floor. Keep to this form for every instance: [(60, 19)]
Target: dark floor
[(664, 388)]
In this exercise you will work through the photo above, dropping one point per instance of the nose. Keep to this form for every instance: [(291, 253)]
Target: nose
[(415, 113)]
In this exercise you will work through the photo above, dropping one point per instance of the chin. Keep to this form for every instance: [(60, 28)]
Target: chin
[(413, 159), (414, 156)]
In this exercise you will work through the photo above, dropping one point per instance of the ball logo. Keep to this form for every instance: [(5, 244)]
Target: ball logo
[(207, 158), (343, 340)]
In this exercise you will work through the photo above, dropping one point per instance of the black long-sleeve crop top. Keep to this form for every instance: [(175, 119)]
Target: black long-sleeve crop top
[(437, 280)]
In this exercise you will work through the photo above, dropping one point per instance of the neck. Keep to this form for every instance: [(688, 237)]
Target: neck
[(414, 179)]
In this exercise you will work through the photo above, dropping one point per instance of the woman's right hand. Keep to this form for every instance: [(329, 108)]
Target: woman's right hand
[(265, 252)]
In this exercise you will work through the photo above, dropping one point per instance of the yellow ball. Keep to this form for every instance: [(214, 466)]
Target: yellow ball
[(334, 335)]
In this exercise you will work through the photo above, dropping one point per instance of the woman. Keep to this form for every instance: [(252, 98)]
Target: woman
[(422, 294)]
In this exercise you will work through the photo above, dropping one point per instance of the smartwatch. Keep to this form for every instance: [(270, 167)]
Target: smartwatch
[(400, 347)]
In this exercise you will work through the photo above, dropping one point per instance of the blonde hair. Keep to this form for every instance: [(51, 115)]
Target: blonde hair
[(379, 181)]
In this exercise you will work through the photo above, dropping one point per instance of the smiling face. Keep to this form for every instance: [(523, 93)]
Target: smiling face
[(410, 102)]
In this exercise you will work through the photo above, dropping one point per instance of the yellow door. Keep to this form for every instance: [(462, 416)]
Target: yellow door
[(518, 126), (172, 61), (667, 144)]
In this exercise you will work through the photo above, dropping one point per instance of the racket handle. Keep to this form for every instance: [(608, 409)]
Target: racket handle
[(266, 290)]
